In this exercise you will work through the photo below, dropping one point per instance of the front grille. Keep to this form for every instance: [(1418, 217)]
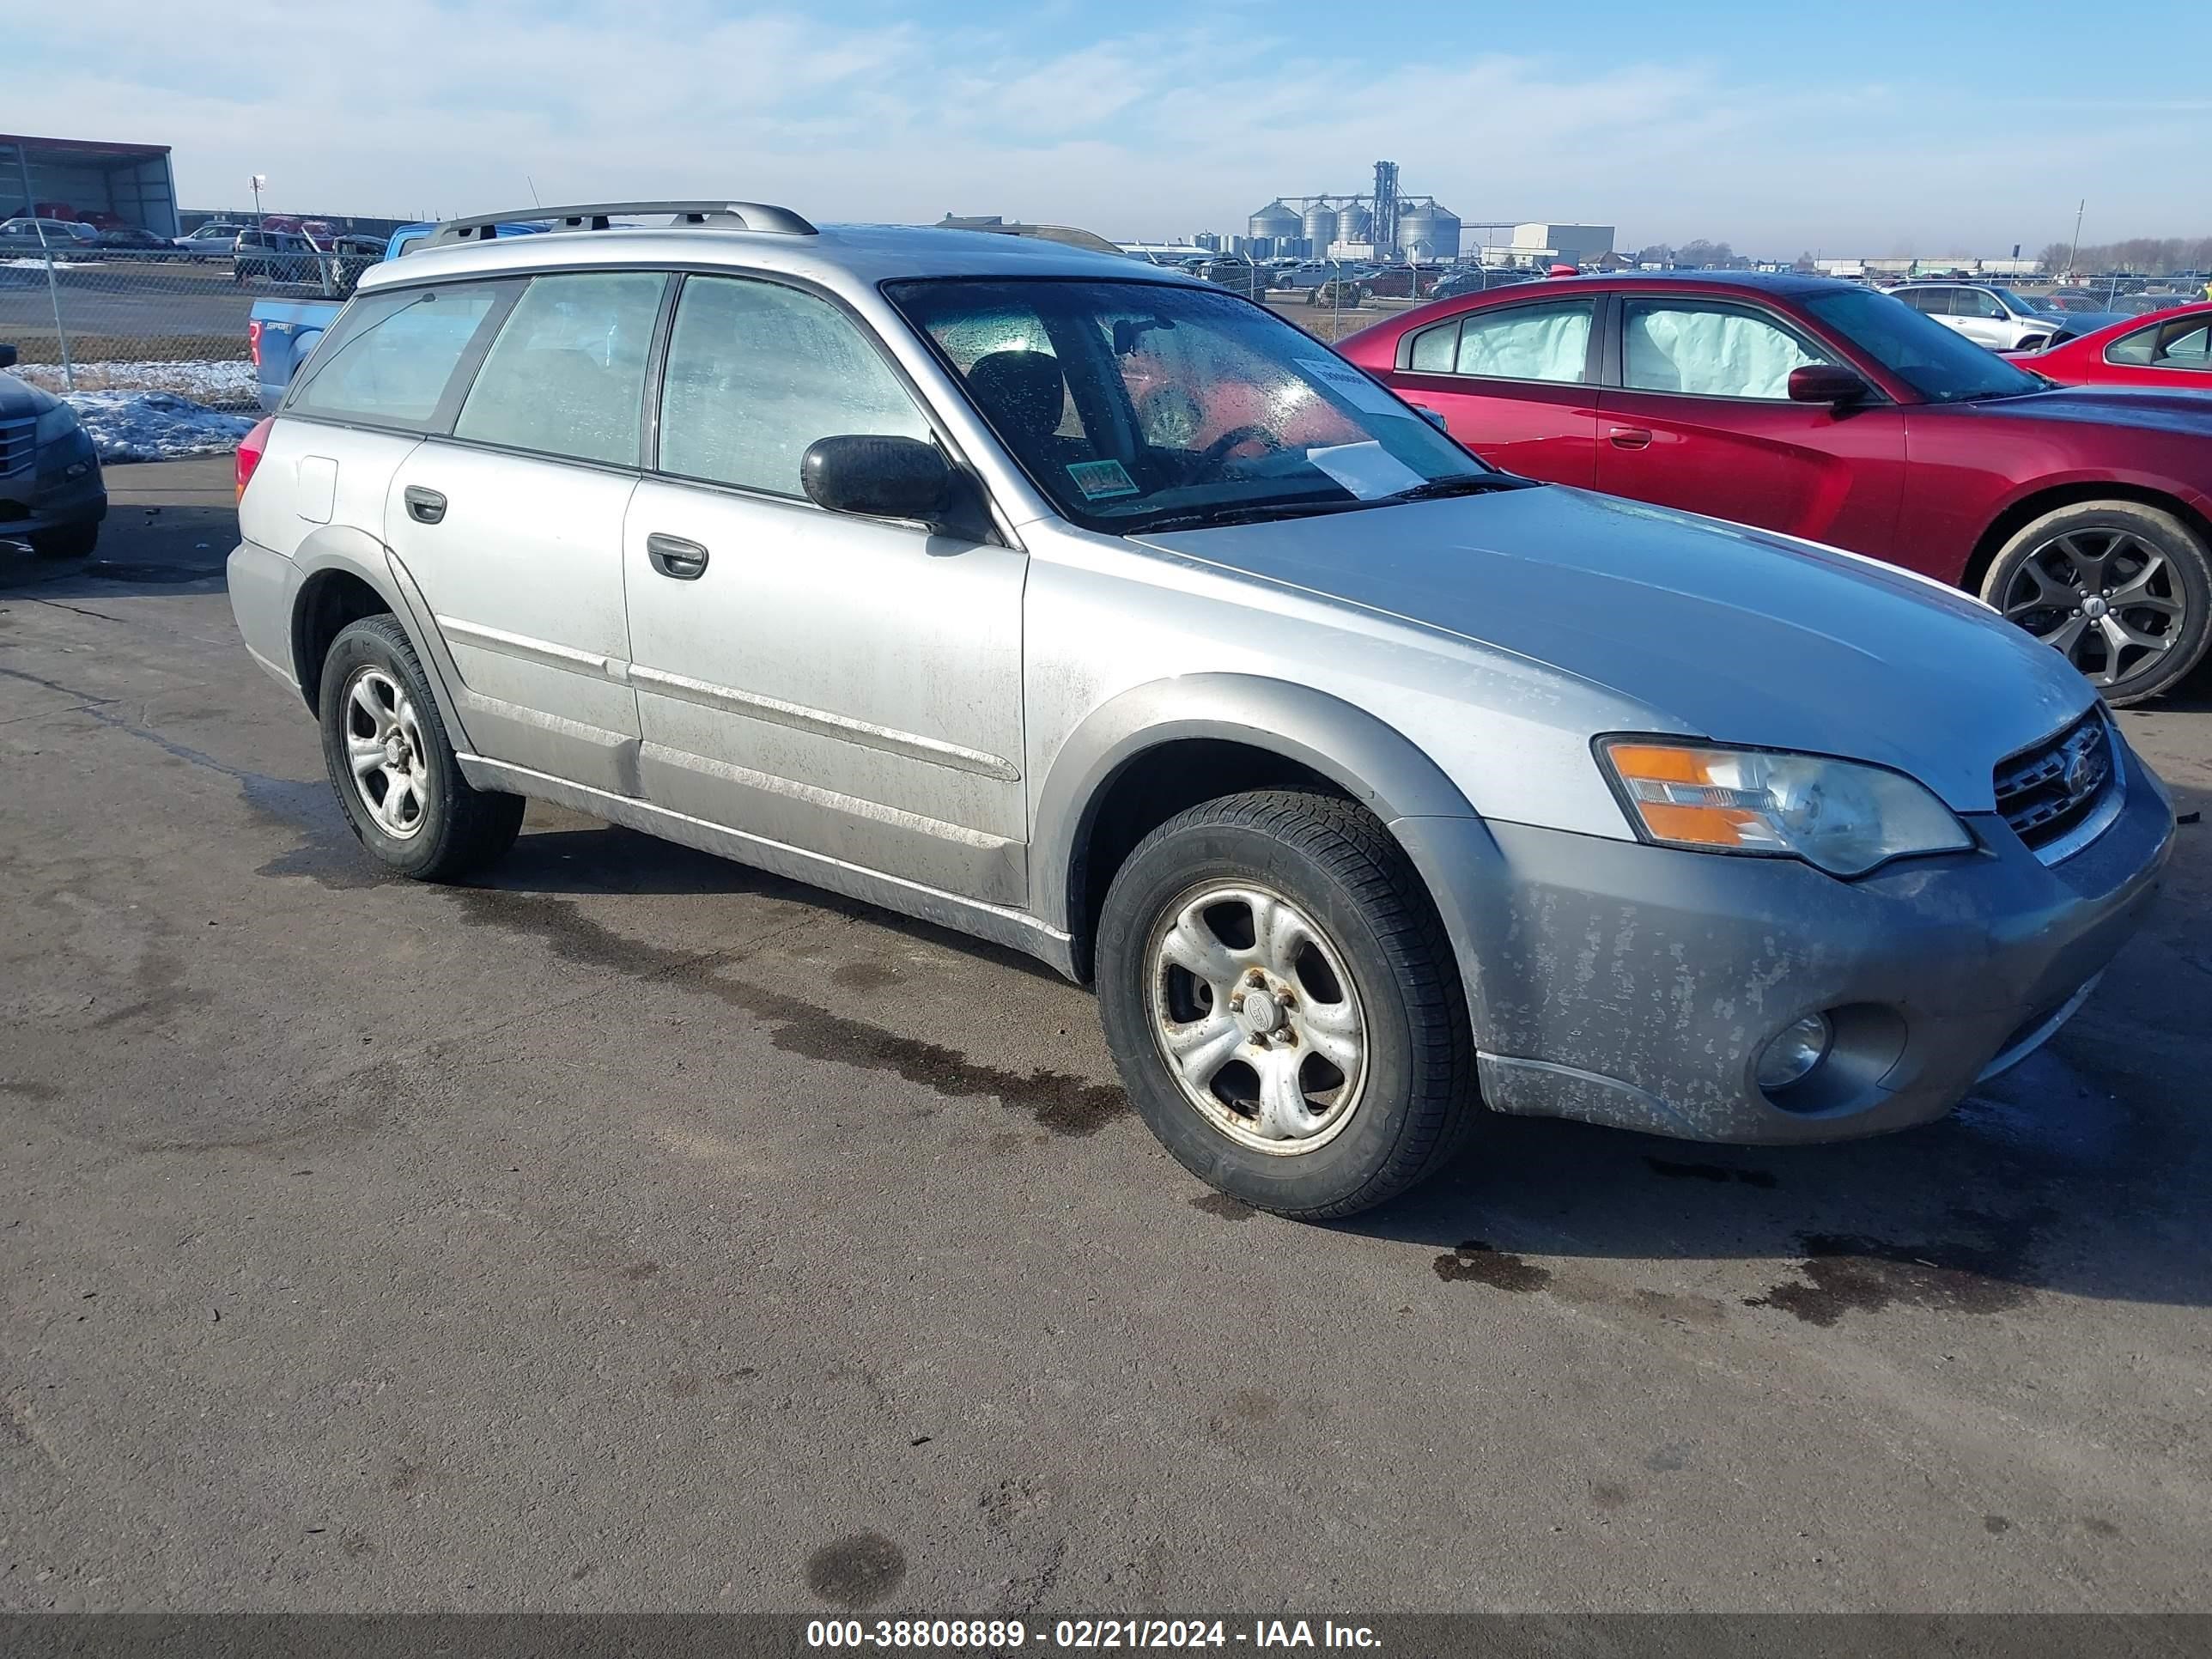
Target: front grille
[(16, 445), (2046, 791)]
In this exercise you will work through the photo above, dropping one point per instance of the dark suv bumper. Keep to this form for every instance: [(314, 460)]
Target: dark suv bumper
[(1633, 985), (62, 486)]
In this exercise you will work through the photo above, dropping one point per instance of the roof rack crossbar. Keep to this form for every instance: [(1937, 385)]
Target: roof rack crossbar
[(599, 215)]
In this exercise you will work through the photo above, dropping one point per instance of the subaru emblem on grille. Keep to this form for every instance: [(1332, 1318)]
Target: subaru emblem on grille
[(2083, 773)]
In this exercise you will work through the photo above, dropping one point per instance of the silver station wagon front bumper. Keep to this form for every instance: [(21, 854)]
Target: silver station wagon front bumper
[(1637, 986)]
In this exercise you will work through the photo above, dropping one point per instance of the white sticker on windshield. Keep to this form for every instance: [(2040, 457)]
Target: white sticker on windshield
[(1351, 386), (1368, 470)]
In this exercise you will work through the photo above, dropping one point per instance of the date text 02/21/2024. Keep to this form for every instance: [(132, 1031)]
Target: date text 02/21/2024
[(1086, 1634)]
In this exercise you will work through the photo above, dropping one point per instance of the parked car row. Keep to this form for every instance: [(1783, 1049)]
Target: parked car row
[(1090, 609)]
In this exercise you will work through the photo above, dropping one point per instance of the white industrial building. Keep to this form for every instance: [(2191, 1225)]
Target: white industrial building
[(1566, 245)]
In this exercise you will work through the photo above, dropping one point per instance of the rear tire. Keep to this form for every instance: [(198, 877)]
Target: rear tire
[(2123, 590), (391, 764), (1318, 1060)]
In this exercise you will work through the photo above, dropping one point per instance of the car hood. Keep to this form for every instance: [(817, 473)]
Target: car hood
[(2150, 408), (1725, 632), (19, 399)]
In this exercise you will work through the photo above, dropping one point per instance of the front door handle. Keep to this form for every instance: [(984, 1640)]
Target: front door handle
[(1630, 437), (423, 506), (672, 556)]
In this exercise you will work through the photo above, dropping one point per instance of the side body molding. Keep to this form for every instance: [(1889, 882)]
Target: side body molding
[(1371, 761)]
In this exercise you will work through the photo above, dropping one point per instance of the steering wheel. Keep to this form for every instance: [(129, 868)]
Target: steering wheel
[(1218, 451)]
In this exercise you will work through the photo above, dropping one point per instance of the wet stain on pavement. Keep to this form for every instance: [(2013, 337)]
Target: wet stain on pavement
[(1716, 1172), (1668, 1460), (865, 976), (1995, 1524), (1221, 1205), (1475, 1262), (1850, 1273), (1059, 1101), (37, 1092), (337, 865), (857, 1571)]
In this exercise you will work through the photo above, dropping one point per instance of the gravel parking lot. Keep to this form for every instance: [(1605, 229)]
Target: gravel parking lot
[(636, 1231)]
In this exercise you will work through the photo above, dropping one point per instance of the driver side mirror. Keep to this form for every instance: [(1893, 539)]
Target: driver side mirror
[(1826, 383), (1434, 417), (7, 356), (876, 477)]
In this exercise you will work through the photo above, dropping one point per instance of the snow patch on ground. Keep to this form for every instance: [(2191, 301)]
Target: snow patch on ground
[(231, 382), (156, 426), (40, 264)]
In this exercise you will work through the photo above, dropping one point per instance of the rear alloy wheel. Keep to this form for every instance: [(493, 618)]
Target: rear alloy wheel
[(2122, 591), (392, 766)]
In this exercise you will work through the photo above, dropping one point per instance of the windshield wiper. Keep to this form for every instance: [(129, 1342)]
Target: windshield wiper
[(1472, 484), (1209, 518)]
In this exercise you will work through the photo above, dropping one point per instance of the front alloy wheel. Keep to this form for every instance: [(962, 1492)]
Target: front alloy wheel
[(1256, 1013), (1284, 1003)]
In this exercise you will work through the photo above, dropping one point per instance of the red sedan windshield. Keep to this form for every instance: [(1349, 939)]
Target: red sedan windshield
[(1942, 367)]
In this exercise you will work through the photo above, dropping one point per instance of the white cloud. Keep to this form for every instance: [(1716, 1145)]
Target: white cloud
[(413, 106)]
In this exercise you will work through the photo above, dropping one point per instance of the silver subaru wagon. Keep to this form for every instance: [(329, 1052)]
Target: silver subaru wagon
[(1097, 612)]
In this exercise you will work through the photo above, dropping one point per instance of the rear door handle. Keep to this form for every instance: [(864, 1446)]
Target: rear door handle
[(1630, 437), (672, 556), (423, 506)]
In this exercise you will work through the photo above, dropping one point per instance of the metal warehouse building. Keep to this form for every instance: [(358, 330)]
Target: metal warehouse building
[(89, 178)]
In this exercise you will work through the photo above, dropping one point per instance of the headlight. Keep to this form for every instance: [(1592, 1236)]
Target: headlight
[(56, 423), (1841, 816)]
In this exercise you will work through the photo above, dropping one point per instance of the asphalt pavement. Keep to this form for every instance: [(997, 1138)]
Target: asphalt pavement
[(632, 1230)]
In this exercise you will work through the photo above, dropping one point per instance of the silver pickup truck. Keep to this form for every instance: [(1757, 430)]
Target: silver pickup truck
[(1094, 610)]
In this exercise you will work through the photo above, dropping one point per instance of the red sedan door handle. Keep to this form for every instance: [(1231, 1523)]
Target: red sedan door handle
[(1630, 437)]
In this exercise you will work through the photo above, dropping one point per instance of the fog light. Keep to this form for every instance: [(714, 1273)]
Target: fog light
[(1796, 1050), (74, 470)]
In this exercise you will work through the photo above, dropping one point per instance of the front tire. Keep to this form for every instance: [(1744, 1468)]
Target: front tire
[(71, 541), (1283, 1005), (2123, 591), (392, 766)]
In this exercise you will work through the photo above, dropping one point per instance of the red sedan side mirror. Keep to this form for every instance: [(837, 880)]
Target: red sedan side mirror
[(1826, 383)]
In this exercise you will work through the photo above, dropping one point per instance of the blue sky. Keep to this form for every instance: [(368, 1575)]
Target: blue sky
[(1850, 126)]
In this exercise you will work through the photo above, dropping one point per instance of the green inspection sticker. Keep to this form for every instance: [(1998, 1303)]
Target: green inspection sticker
[(1098, 479)]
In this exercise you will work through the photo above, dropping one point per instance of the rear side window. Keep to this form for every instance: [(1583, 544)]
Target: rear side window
[(1527, 343), (2186, 343), (757, 373), (567, 375), (388, 361)]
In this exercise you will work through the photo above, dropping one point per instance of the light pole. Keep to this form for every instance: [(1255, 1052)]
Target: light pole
[(257, 181)]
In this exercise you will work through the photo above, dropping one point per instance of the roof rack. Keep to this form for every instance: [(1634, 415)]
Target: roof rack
[(599, 215)]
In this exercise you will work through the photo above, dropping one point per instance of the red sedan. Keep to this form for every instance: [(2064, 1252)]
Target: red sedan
[(2171, 348), (1831, 411)]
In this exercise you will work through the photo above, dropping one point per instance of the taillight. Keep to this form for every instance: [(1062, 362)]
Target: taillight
[(249, 452), (253, 340)]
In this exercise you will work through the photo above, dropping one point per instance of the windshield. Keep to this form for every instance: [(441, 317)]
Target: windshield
[(1139, 405), (1942, 367), (2019, 304)]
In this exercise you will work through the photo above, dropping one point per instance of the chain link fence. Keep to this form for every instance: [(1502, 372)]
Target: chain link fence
[(149, 344), (92, 319)]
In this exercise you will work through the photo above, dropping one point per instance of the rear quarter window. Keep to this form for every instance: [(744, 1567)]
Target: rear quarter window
[(391, 358)]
